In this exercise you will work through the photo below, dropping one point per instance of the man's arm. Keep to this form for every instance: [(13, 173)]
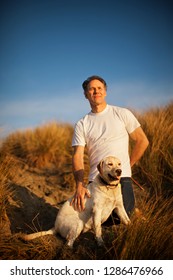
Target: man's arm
[(78, 172), (141, 143)]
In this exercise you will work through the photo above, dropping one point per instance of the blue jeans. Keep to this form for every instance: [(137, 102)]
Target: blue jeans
[(128, 195)]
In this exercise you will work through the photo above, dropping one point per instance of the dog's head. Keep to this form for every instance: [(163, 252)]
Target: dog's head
[(110, 170)]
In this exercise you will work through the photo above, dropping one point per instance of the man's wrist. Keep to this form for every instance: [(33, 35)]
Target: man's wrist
[(80, 184)]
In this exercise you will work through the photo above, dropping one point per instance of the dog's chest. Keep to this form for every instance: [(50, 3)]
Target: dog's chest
[(105, 201), (108, 206)]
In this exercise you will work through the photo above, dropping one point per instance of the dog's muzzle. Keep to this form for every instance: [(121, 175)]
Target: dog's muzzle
[(116, 176)]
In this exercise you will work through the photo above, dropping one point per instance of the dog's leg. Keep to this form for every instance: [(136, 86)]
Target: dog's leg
[(70, 243), (97, 226), (74, 233), (121, 212)]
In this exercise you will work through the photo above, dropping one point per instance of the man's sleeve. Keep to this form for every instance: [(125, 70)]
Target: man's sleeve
[(130, 121), (78, 135)]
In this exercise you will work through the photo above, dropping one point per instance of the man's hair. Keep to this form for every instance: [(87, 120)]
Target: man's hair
[(94, 77)]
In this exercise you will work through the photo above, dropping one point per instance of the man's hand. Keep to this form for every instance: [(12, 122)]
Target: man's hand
[(78, 201)]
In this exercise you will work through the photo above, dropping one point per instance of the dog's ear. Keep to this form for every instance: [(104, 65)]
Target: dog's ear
[(99, 166)]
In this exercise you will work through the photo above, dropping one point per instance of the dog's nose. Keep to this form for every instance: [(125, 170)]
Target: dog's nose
[(118, 172)]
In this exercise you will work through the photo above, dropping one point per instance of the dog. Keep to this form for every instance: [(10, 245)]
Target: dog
[(106, 196)]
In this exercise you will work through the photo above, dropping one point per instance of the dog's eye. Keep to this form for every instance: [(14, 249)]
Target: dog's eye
[(110, 163), (119, 164)]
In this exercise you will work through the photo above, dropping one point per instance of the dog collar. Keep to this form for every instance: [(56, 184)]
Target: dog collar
[(108, 185)]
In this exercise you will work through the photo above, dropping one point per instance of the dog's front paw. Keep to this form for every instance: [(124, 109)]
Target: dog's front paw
[(70, 244), (126, 221), (100, 241)]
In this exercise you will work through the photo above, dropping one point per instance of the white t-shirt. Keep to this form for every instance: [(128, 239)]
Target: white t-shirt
[(106, 134)]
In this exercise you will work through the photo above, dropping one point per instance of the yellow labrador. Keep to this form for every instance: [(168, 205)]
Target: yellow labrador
[(106, 196)]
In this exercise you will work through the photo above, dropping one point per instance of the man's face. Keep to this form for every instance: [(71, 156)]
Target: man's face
[(96, 92)]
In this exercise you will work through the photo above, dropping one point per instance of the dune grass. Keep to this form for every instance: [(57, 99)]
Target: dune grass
[(149, 238), (155, 167), (49, 147), (42, 146)]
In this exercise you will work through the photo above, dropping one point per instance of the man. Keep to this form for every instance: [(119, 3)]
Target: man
[(105, 131)]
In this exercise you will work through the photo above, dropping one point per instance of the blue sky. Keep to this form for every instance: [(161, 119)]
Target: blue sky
[(49, 47)]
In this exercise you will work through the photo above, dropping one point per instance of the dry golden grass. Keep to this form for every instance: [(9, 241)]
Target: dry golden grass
[(5, 165), (149, 238), (49, 148), (42, 146), (155, 168), (12, 247)]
